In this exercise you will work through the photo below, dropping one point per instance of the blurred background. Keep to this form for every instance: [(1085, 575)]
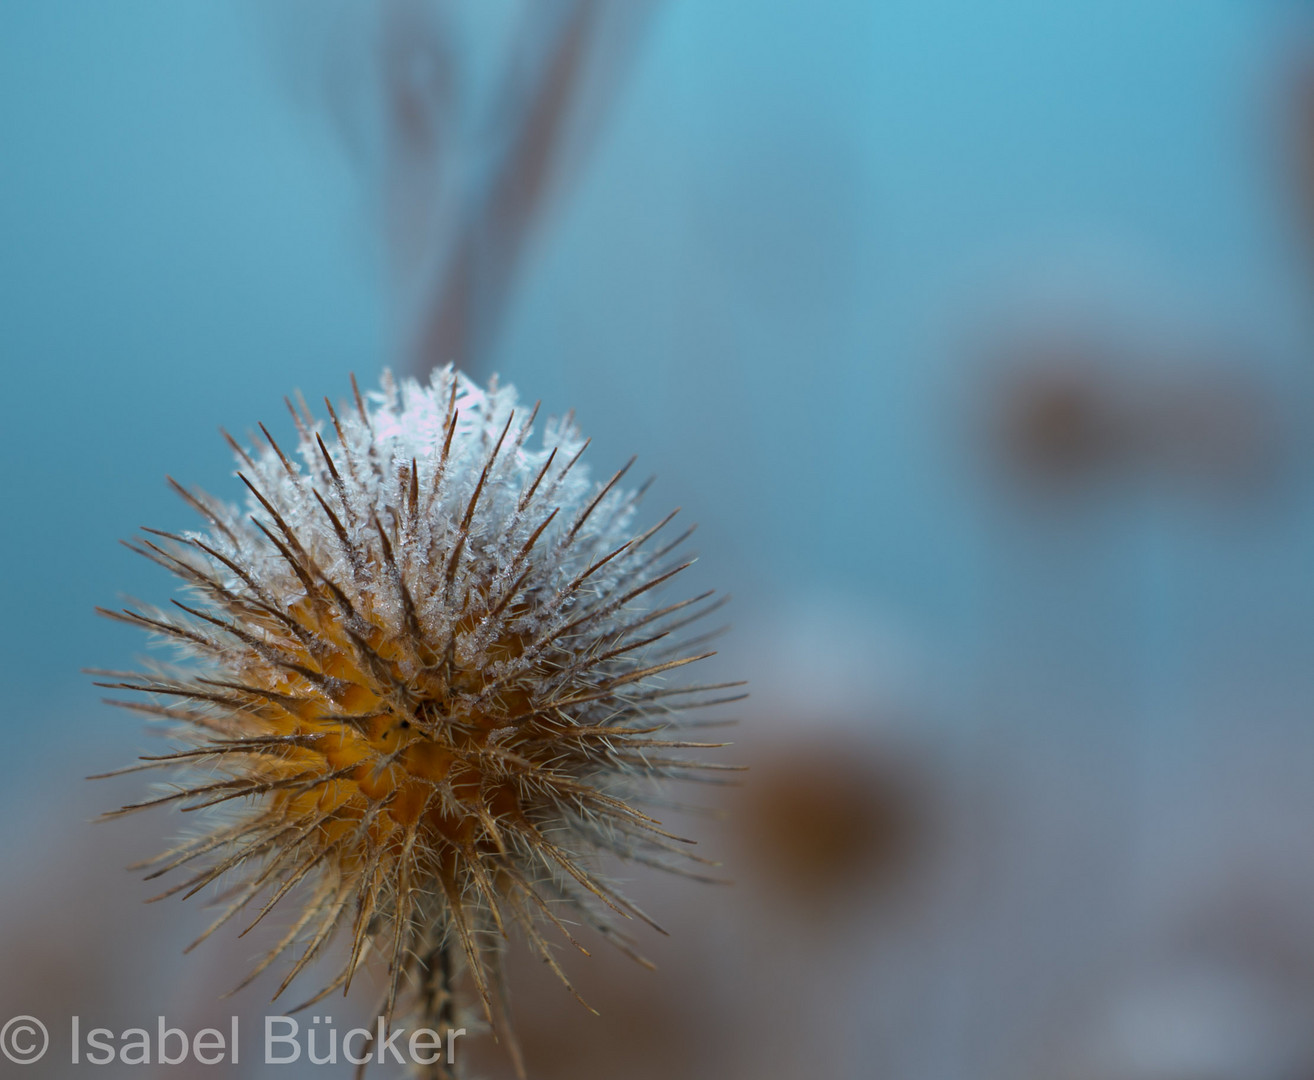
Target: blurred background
[(979, 339)]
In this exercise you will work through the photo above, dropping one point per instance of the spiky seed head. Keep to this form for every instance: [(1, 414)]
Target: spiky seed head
[(422, 686)]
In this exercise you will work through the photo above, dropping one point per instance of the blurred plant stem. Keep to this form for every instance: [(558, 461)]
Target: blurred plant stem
[(463, 201)]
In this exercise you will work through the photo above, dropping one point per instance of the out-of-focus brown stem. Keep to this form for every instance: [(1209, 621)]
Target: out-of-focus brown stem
[(491, 227), (493, 230)]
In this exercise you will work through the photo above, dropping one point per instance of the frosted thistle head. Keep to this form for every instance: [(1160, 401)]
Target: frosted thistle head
[(423, 684)]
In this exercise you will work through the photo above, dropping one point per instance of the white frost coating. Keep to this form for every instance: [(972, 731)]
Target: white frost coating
[(407, 424)]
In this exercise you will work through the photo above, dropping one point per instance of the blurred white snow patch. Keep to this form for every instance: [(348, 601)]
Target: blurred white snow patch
[(822, 657), (1202, 1019)]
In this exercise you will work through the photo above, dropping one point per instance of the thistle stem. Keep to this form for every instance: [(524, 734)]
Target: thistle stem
[(440, 1007)]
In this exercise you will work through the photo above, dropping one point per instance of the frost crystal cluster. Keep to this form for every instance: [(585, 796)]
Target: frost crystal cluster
[(423, 685)]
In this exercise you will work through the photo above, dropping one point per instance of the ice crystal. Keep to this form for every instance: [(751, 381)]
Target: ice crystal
[(422, 688)]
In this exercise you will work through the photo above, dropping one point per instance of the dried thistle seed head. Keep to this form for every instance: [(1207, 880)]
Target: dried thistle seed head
[(422, 686)]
